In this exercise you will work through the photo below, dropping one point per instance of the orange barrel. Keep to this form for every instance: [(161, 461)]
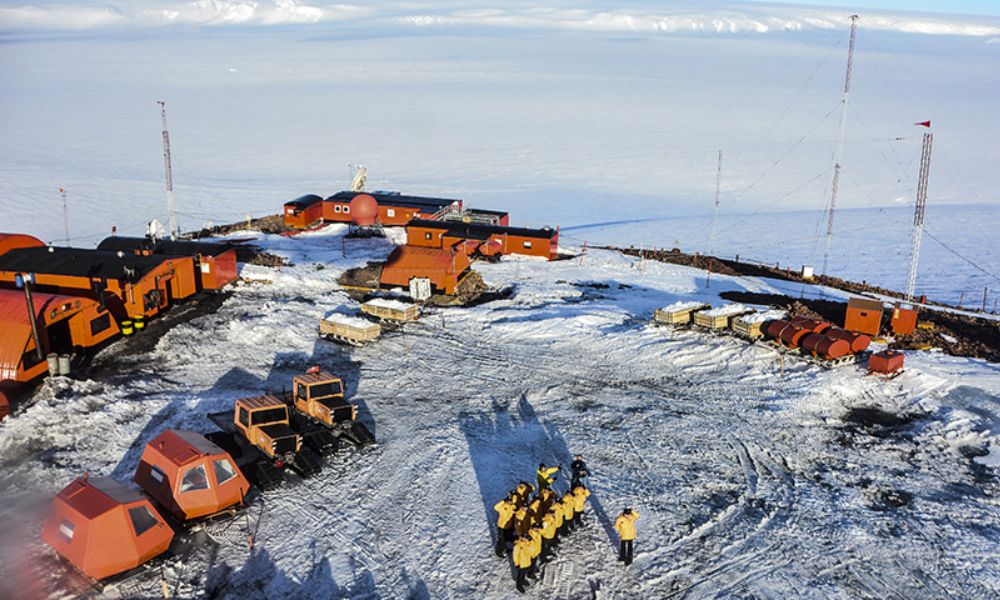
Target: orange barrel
[(772, 329), (792, 335), (811, 324), (859, 342), (826, 347)]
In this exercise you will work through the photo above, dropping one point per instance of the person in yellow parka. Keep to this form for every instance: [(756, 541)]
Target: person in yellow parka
[(522, 521), (521, 493), (547, 497), (625, 526), (568, 505), (535, 533), (505, 523), (546, 475), (548, 534), (535, 511), (522, 560), (580, 494), (560, 520)]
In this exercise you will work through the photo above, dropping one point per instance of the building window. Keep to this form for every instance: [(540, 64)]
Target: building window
[(156, 474), (527, 244), (66, 530), (142, 519), (244, 417), (336, 208), (390, 212), (224, 470), (194, 480), (347, 209), (427, 236), (100, 324)]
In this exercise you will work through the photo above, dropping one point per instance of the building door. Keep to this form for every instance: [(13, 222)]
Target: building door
[(60, 340)]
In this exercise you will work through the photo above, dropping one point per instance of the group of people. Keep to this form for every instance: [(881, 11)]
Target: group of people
[(530, 524)]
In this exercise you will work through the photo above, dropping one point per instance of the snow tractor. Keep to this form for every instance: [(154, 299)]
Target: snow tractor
[(259, 435), (321, 412)]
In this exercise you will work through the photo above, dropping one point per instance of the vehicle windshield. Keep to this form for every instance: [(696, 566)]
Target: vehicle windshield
[(322, 390), (268, 415)]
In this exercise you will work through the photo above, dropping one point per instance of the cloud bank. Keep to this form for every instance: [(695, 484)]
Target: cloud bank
[(645, 18)]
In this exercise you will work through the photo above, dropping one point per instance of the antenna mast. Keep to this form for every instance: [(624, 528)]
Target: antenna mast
[(839, 150), (65, 214), (168, 169), (918, 214), (715, 215)]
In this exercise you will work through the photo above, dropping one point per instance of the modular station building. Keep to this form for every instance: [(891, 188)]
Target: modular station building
[(486, 240), (128, 284), (215, 264), (392, 209)]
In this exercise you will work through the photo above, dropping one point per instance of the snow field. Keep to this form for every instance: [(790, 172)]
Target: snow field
[(749, 479)]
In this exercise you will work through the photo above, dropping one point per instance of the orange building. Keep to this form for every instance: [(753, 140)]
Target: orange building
[(215, 263), (104, 528), (487, 239), (66, 325), (12, 241), (393, 209), (190, 476), (304, 211), (128, 284), (444, 268)]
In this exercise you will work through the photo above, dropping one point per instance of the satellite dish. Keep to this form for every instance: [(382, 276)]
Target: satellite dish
[(364, 210), (359, 178), (154, 230)]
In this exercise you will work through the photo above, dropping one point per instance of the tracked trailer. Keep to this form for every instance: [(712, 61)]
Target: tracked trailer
[(321, 410), (258, 434)]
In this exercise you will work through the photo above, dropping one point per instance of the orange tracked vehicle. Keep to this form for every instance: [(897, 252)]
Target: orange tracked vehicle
[(318, 400)]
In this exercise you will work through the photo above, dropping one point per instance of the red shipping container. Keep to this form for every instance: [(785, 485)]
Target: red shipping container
[(863, 315), (886, 362)]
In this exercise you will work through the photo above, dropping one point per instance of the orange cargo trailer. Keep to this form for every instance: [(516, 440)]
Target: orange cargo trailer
[(444, 268), (66, 324), (215, 263), (104, 528), (12, 241), (190, 476), (129, 284)]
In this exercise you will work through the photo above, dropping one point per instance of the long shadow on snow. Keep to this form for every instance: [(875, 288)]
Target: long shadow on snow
[(506, 448), (237, 382), (260, 577)]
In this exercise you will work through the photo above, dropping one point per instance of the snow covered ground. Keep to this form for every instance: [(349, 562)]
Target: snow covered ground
[(750, 480)]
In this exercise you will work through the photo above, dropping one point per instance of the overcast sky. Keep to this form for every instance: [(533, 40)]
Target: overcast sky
[(964, 7)]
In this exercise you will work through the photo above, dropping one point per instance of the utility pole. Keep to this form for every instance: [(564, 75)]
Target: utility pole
[(918, 214), (839, 149), (715, 214), (168, 169), (65, 214)]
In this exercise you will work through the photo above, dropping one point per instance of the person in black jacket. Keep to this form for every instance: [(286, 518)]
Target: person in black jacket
[(580, 472)]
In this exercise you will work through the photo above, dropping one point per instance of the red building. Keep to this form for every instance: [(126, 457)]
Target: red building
[(487, 240), (393, 209), (444, 268), (215, 264)]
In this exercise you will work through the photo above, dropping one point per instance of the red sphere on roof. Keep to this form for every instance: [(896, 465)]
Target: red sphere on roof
[(364, 210)]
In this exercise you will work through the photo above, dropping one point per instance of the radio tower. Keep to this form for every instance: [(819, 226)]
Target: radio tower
[(65, 214), (169, 172), (839, 150), (715, 215), (918, 214)]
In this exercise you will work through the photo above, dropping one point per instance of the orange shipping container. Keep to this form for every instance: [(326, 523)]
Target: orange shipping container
[(904, 320), (863, 315)]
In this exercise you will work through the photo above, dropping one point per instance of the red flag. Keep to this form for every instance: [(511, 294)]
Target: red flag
[(926, 124)]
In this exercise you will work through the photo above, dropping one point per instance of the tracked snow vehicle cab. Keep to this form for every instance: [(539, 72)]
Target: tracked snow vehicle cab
[(259, 435), (318, 399)]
